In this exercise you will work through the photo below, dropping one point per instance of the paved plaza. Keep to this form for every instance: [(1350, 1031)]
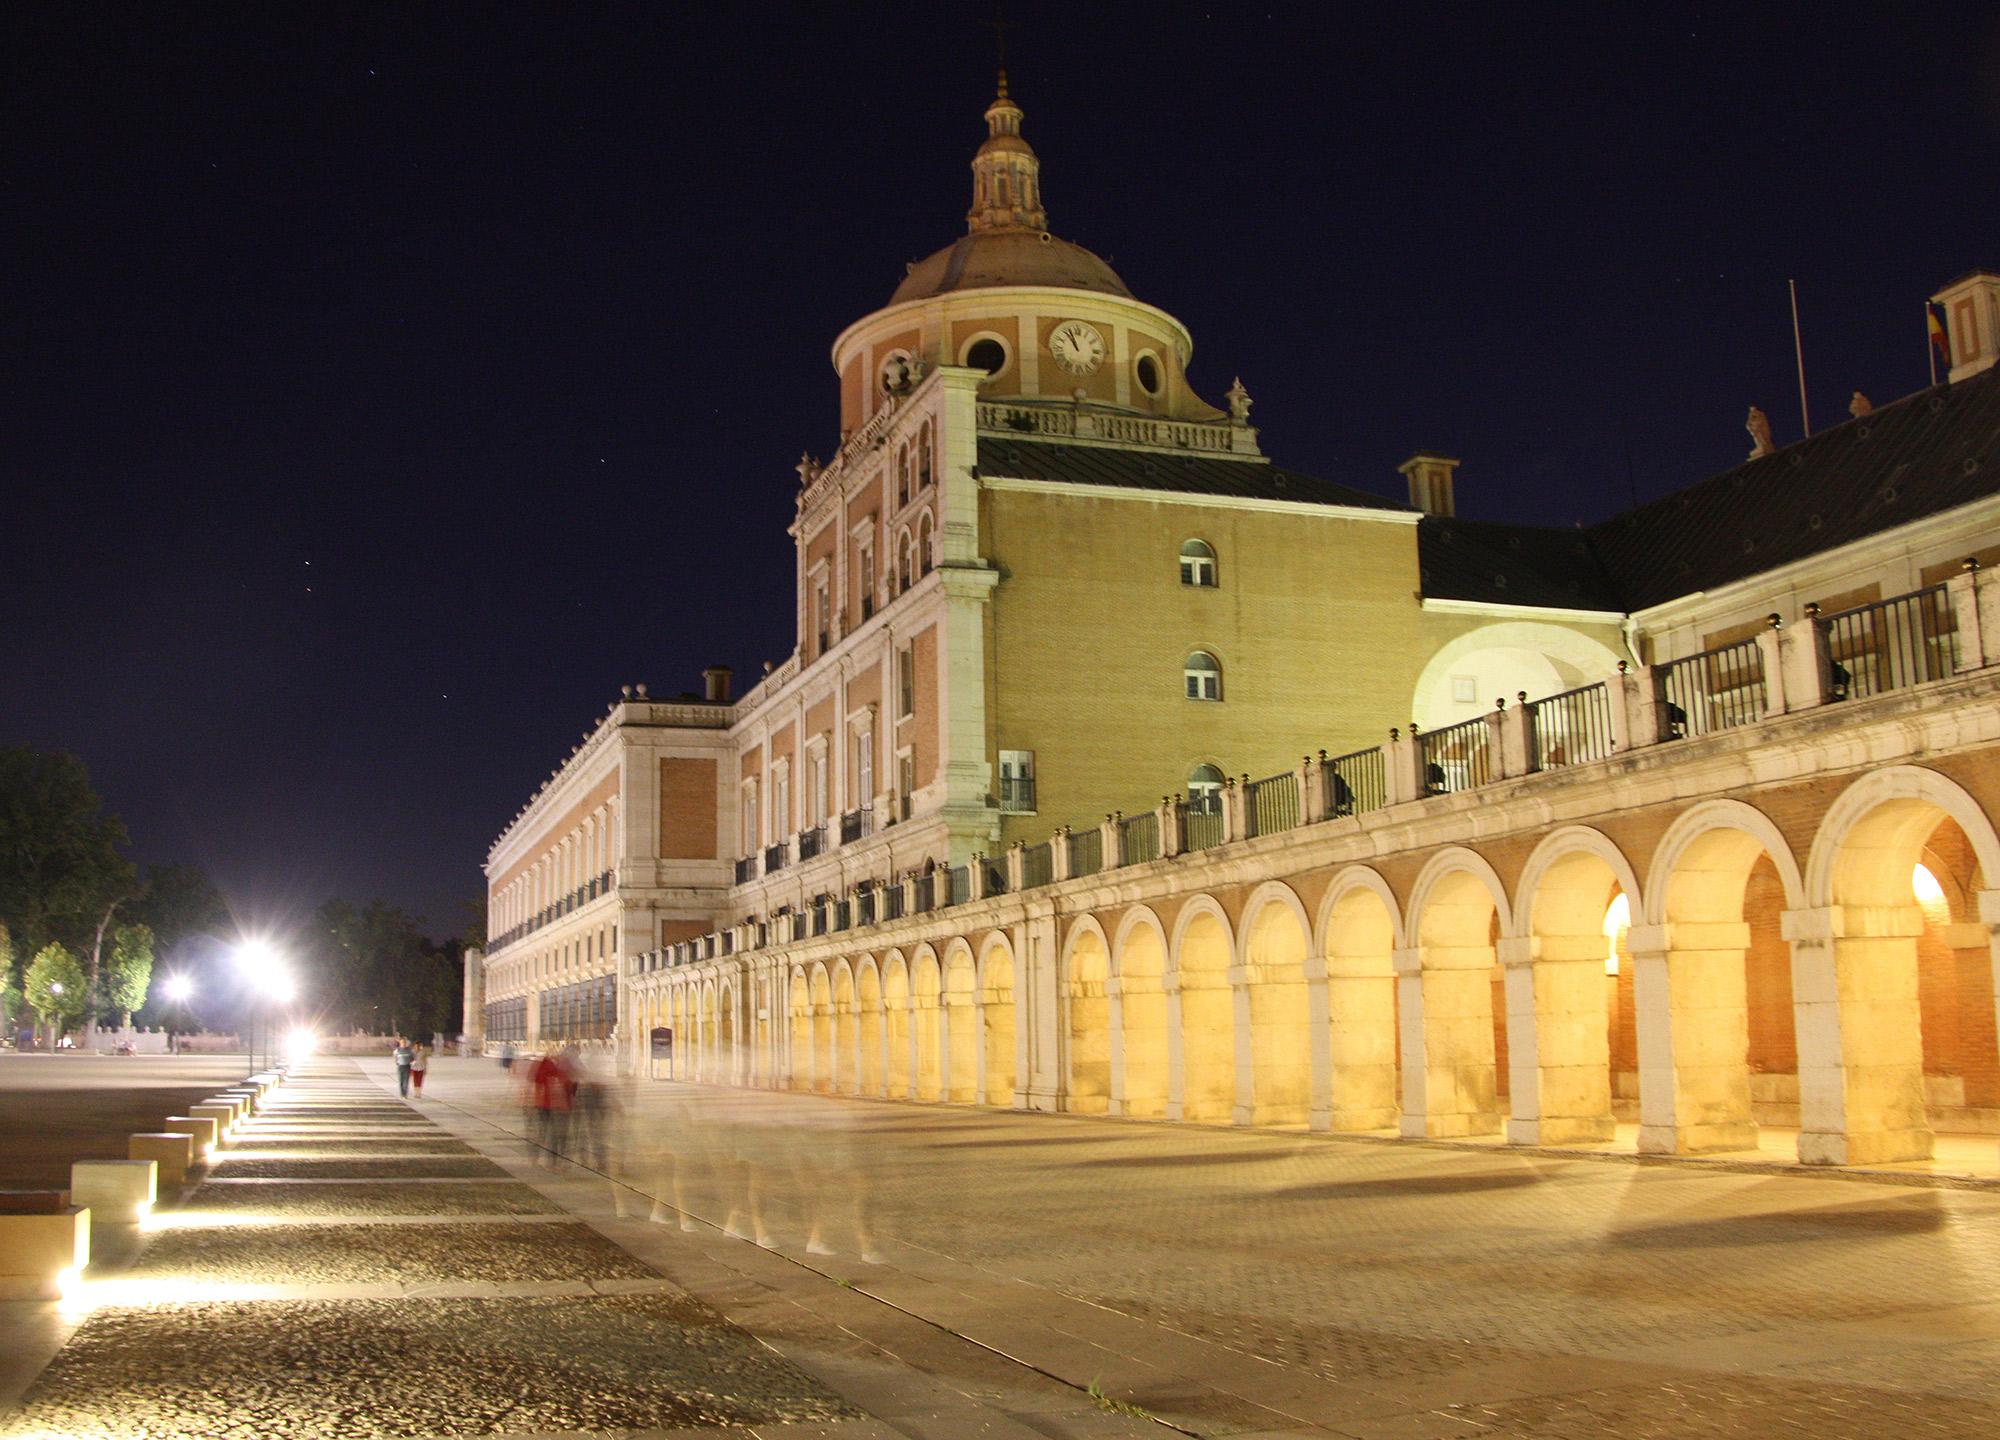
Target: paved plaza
[(791, 1265)]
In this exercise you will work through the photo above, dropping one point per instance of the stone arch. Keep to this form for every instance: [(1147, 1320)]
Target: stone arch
[(896, 1032), (1199, 961), (1873, 1023), (1082, 974), (868, 1003), (1143, 1040), (822, 1028), (960, 1017), (1275, 957), (725, 999), (926, 1021), (1445, 990), (997, 1019), (798, 1070), (1562, 986), (846, 1030), (1503, 659), (1360, 930)]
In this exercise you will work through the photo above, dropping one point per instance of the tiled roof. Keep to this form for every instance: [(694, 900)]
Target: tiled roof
[(1921, 455), (1187, 474)]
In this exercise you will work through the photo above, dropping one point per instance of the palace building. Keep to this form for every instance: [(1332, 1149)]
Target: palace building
[(1349, 826)]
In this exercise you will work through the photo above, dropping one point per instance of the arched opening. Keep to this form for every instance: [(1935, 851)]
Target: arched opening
[(726, 1068), (926, 1018), (896, 1027), (1561, 982), (823, 1061), (705, 1025), (1360, 948), (1141, 1077), (961, 995), (1880, 1007), (1274, 962), (869, 994), (761, 1011), (1208, 1020), (801, 1061), (1087, 1024), (847, 1029), (996, 1011), (1453, 1047), (1712, 985)]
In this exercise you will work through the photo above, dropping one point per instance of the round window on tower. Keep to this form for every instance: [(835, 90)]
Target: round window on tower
[(1147, 370), (988, 353)]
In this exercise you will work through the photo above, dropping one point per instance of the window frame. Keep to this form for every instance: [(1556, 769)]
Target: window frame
[(1201, 569), (1205, 794), (1202, 683)]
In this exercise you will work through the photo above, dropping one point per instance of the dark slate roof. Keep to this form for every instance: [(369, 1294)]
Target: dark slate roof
[(1921, 455), (1187, 474)]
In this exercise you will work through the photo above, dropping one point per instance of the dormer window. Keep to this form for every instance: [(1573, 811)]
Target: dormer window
[(1198, 564)]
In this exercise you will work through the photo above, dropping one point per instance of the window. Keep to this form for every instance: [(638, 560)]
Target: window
[(906, 781), (988, 354), (903, 571), (906, 682), (1465, 689), (924, 559), (781, 800), (1017, 782), (924, 456), (1203, 675), (864, 768), (1198, 563), (749, 816), (903, 475), (865, 570), (1204, 790), (820, 617), (1147, 370), (819, 803)]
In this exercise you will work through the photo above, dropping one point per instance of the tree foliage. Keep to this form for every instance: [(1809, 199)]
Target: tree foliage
[(59, 850), (54, 984), (128, 972), (376, 971)]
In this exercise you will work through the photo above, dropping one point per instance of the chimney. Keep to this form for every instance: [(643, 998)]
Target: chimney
[(1430, 482), (715, 684), (1972, 319)]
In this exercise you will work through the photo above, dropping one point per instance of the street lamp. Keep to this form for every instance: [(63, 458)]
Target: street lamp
[(55, 1030), (179, 990), (264, 967)]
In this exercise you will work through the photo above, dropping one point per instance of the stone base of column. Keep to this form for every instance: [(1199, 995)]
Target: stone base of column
[(1563, 1130), (1877, 1147), (1449, 1127), (1356, 1118), (1697, 1139)]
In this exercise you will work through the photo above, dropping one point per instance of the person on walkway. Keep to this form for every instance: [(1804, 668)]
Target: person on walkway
[(420, 1061), (506, 1056), (403, 1056), (549, 1092)]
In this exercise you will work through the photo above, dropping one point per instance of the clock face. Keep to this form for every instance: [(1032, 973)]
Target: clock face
[(1077, 346)]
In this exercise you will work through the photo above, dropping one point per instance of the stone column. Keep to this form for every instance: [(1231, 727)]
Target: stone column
[(1558, 1048), (1172, 841), (474, 1024), (1312, 790), (1692, 1019), (1037, 1016), (1638, 709), (1860, 1041), (1059, 870), (1402, 768), (1447, 1034), (1235, 810), (1515, 743), (1977, 644), (1360, 1000), (1114, 1019)]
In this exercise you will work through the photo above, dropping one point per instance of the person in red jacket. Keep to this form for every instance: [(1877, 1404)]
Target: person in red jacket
[(549, 1092)]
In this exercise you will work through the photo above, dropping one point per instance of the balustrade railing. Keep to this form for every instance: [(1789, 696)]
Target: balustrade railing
[(1086, 852), (1139, 837), (1458, 757), (993, 875), (1570, 728), (1718, 689), (1355, 784), (746, 869), (1038, 865), (854, 824), (812, 842), (959, 885), (1201, 826), (1274, 804), (775, 857), (926, 887), (1891, 644)]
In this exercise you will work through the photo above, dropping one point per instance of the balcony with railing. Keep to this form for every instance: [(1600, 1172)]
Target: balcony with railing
[(1201, 822), (1038, 865), (1139, 838), (1274, 804), (776, 857), (812, 843), (746, 869), (1086, 852), (1353, 784), (1017, 794), (1890, 644), (1717, 689), (596, 887), (1458, 757), (854, 825), (1572, 728)]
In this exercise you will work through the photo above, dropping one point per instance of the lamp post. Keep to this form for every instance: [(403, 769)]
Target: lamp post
[(179, 989), (55, 1027), (262, 965)]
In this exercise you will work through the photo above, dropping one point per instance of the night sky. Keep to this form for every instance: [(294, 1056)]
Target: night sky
[(387, 385)]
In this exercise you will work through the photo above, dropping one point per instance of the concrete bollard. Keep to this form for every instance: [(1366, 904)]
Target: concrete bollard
[(120, 1192), (44, 1244), (222, 1115), (171, 1150), (201, 1129)]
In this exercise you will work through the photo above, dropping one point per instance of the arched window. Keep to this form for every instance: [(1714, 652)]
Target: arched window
[(1204, 790), (1198, 563), (902, 475), (1203, 675), (904, 575), (924, 456), (924, 558)]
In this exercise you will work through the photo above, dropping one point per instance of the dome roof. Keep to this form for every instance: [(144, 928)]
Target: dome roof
[(988, 258)]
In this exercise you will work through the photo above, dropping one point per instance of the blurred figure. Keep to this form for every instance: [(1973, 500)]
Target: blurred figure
[(420, 1062), (549, 1094), (833, 1182), (589, 1144), (403, 1055), (506, 1056)]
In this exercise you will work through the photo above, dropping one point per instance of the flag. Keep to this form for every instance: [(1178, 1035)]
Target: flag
[(1937, 334)]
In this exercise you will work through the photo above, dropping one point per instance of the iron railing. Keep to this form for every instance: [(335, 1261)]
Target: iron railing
[(854, 824), (892, 902), (775, 857), (1017, 794), (812, 842), (746, 869), (1038, 865), (959, 885), (1571, 728), (864, 907), (1891, 644), (1086, 852), (1356, 783), (1274, 804), (1139, 838), (994, 875), (1718, 689), (926, 893), (1201, 827), (1458, 757)]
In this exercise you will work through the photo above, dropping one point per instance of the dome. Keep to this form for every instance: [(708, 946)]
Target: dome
[(988, 258)]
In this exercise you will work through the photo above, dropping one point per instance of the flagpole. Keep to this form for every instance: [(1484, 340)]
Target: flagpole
[(1799, 349)]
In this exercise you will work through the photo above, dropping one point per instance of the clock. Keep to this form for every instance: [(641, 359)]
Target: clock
[(1077, 346)]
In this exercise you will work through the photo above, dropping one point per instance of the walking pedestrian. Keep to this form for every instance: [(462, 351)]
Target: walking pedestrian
[(420, 1062), (404, 1056), (549, 1092), (506, 1056)]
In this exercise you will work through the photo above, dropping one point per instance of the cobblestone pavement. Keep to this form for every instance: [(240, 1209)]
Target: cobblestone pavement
[(1264, 1283), (389, 1281)]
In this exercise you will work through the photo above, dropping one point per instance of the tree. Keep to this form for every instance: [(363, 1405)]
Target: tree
[(54, 987), (59, 861), (128, 974), (178, 901), (10, 984)]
